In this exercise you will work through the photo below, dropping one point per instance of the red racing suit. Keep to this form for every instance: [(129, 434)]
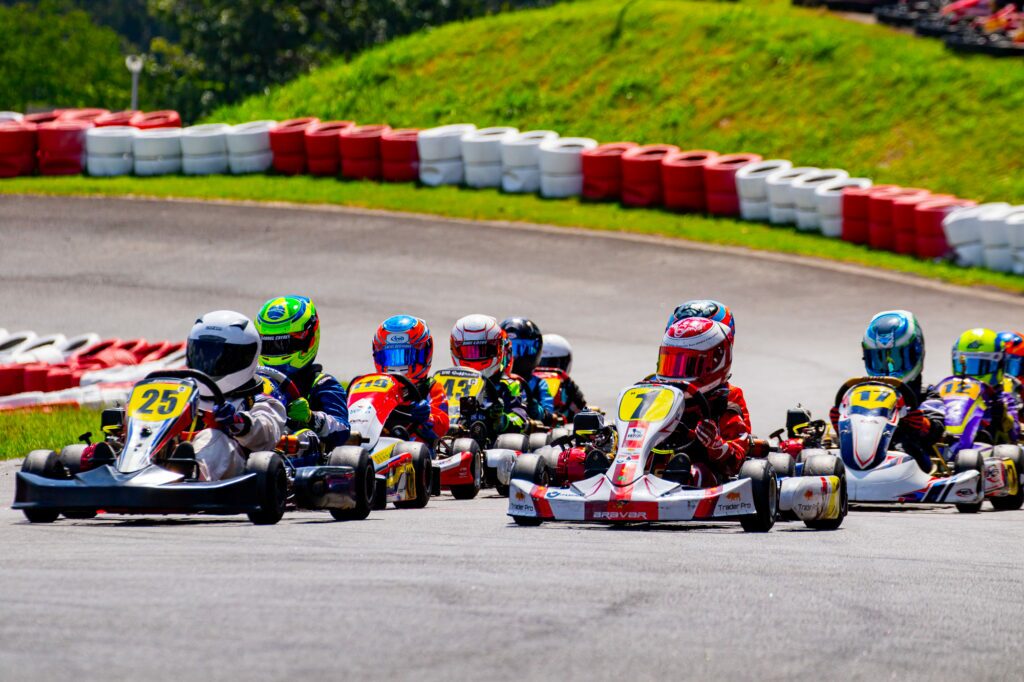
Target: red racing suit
[(437, 425)]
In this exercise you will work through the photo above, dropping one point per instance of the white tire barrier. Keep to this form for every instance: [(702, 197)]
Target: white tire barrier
[(109, 150), (15, 343), (157, 151), (1015, 234), (755, 209), (750, 180), (520, 161), (204, 149), (481, 154), (482, 175), (779, 189), (11, 116), (803, 189), (561, 170), (963, 231), (249, 147), (440, 152), (828, 198), (997, 254), (109, 166), (210, 164)]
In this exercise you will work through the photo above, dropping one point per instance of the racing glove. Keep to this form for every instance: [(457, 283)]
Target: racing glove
[(708, 435), (419, 411), (833, 416), (298, 411), (511, 422), (232, 420), (917, 422)]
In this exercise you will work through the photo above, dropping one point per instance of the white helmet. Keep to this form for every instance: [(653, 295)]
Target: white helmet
[(479, 343), (226, 346), (556, 352)]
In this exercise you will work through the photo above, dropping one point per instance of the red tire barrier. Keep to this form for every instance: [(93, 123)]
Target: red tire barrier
[(322, 146), (59, 378), (61, 147), (115, 118), (602, 170), (359, 147), (904, 230), (930, 237), (17, 148), (400, 156), (855, 212), (720, 182), (42, 117), (155, 119), (288, 143), (880, 202), (87, 115), (682, 179), (641, 174)]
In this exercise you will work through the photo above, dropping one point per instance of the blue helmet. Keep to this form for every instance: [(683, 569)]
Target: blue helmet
[(706, 308), (894, 346)]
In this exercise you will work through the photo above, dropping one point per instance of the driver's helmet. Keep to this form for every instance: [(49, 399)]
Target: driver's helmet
[(290, 329), (712, 310), (225, 346), (556, 353), (479, 343), (403, 345), (1013, 354), (893, 346), (526, 341), (978, 354), (698, 351)]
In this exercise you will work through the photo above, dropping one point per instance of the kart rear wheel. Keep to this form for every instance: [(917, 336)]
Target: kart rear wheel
[(828, 465), (421, 464), (530, 468), (1009, 502), (784, 465), (272, 483), (47, 464), (71, 458), (765, 488), (539, 440), (467, 491), (971, 460), (509, 441), (359, 459)]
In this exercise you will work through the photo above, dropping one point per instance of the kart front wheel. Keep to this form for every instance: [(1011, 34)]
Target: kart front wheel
[(1010, 502), (47, 464), (467, 491), (971, 460), (530, 468), (272, 484), (421, 464), (828, 465), (359, 459), (765, 488)]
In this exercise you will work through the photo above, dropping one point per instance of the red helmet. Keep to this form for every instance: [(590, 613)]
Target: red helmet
[(698, 351), (403, 345), (1013, 354)]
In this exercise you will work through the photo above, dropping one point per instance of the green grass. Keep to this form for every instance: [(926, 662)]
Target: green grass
[(49, 429)]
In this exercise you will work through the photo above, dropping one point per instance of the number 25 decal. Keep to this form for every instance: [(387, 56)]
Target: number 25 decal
[(165, 402)]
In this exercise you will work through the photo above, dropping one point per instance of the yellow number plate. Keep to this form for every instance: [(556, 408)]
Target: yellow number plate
[(460, 387), (159, 400), (874, 397), (375, 384), (648, 404), (958, 388)]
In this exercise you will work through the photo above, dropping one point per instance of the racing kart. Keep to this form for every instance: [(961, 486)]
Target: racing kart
[(380, 428), (146, 465), (585, 451), (626, 491)]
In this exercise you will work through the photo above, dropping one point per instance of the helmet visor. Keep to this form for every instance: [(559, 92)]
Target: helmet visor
[(684, 363), (525, 348), (552, 362), (286, 344), (976, 364), (889, 362), (216, 358), (475, 352), (400, 356), (1013, 364)]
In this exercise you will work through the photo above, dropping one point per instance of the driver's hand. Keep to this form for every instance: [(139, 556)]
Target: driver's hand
[(708, 435), (833, 416), (231, 420), (299, 411), (419, 411), (916, 421)]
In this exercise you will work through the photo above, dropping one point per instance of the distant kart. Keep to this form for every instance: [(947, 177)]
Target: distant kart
[(625, 492), (147, 465), (403, 467)]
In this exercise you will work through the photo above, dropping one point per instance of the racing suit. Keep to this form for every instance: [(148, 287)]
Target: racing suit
[(508, 412), (328, 403), (257, 424), (717, 443), (567, 398), (540, 404), (436, 424), (1002, 418)]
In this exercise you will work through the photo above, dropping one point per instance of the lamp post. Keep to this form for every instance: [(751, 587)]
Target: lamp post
[(134, 64)]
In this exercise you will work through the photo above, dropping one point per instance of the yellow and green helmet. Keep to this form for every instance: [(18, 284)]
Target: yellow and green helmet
[(290, 331), (978, 353)]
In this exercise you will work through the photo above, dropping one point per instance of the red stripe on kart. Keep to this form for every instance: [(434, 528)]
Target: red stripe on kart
[(706, 507), (540, 502)]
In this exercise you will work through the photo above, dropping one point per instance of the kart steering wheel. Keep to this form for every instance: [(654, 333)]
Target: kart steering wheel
[(909, 398), (194, 374), (693, 394), (408, 385)]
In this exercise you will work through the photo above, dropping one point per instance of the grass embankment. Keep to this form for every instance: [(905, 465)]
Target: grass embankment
[(50, 429), (754, 76)]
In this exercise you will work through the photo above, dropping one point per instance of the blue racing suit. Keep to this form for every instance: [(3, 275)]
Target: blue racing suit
[(327, 399)]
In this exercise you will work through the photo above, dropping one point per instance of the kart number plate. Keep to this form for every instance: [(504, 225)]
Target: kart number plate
[(373, 384), (646, 404), (159, 400)]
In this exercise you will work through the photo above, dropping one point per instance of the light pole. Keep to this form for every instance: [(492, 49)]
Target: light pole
[(134, 64)]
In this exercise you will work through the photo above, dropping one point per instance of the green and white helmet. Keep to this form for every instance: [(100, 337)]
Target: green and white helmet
[(893, 346), (290, 330)]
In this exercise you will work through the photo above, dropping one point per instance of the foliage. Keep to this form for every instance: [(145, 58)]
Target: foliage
[(50, 428)]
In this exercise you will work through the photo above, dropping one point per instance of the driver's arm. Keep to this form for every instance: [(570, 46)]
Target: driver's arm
[(331, 420), (437, 425), (264, 425)]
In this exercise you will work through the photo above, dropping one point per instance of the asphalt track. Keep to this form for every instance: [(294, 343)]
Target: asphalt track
[(455, 591)]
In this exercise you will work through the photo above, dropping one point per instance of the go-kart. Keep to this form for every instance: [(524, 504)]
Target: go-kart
[(380, 427), (627, 492), (146, 465), (585, 451)]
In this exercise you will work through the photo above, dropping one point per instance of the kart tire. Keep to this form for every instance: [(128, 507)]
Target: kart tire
[(784, 465), (71, 458), (531, 468), (47, 464), (359, 459), (1010, 502), (828, 465), (272, 483), (970, 460), (539, 440), (421, 464), (513, 441), (765, 488), (468, 491)]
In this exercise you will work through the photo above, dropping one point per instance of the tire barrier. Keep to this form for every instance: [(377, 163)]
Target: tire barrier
[(61, 147), (42, 117), (157, 151), (360, 151), (249, 147), (288, 144), (930, 238), (880, 202), (829, 199), (109, 151), (86, 115), (440, 152), (682, 179), (399, 155), (962, 228), (997, 254), (803, 189), (752, 189), (1015, 232), (155, 119), (11, 116), (904, 224), (115, 118), (204, 149), (641, 174), (781, 200), (481, 154), (561, 166), (856, 201), (720, 182), (520, 161), (17, 148), (323, 155), (602, 170)]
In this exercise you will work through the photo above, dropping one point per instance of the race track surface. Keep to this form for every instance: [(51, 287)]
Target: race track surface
[(455, 591)]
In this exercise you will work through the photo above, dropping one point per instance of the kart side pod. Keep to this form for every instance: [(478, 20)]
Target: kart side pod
[(811, 498), (325, 487)]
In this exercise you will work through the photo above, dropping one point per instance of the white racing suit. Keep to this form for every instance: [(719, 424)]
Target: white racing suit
[(222, 455)]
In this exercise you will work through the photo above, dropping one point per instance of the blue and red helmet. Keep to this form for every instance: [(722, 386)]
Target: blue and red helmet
[(706, 308), (403, 345)]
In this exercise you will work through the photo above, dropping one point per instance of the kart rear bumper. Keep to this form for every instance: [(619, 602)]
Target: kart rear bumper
[(456, 470)]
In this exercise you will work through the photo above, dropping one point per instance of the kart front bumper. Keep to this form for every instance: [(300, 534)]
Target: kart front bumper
[(456, 470)]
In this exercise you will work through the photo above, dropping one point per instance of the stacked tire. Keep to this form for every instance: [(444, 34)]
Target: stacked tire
[(288, 145), (17, 147), (804, 189), (930, 237), (157, 151), (641, 174), (602, 170), (481, 154), (360, 151), (781, 197), (399, 155), (249, 147), (561, 166), (440, 153), (110, 151), (829, 200), (62, 147), (323, 149), (204, 149), (682, 180), (520, 161), (752, 188), (720, 182), (880, 213)]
